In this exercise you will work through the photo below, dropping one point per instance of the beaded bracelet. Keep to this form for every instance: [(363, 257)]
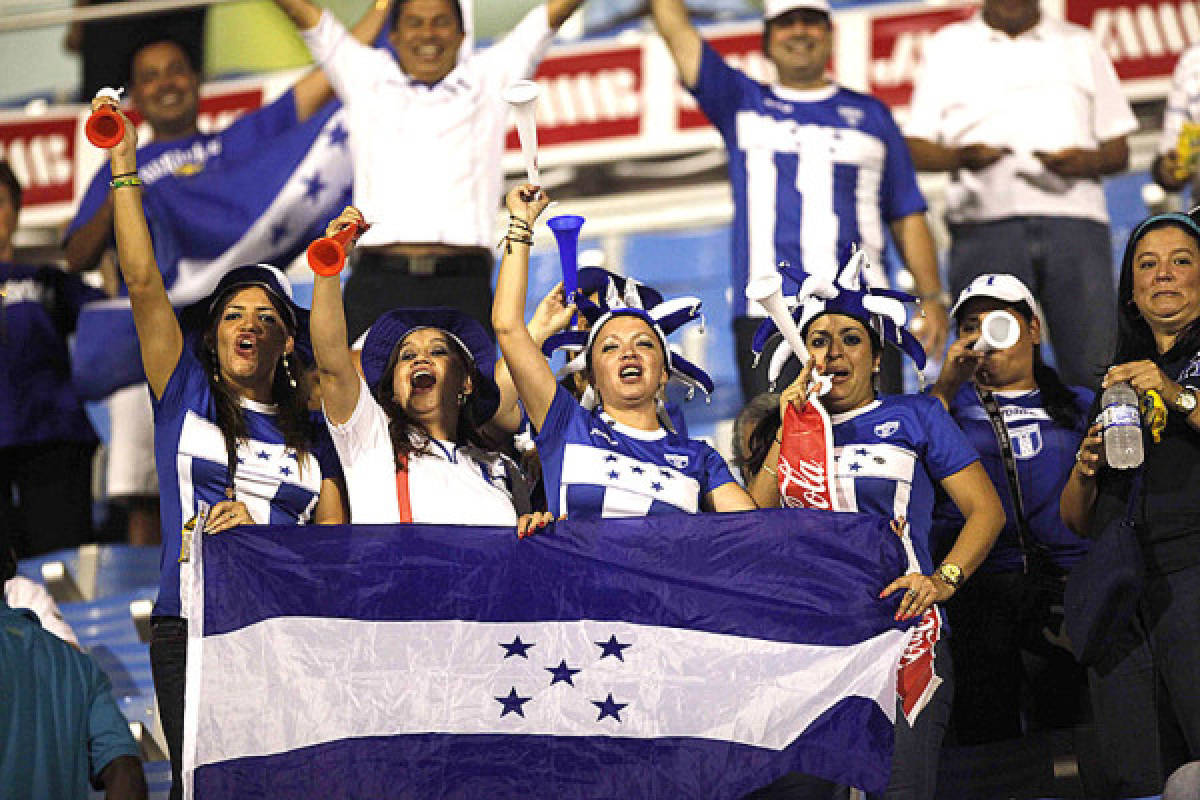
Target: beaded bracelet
[(117, 183)]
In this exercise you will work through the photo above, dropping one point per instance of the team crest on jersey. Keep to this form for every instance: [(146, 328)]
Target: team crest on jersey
[(1026, 441), (676, 460), (852, 115), (885, 429)]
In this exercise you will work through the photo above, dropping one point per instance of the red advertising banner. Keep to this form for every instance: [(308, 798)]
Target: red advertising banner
[(895, 50), (41, 152), (1143, 40), (589, 95)]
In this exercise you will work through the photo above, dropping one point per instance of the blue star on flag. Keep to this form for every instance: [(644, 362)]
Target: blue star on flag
[(613, 475), (516, 648), (279, 232), (656, 486), (862, 451), (612, 648), (514, 702), (313, 186), (285, 471), (610, 458), (562, 673), (339, 135), (608, 708), (263, 454), (855, 467), (638, 470)]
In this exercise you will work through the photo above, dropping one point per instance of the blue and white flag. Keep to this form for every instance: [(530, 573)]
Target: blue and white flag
[(265, 206), (671, 656)]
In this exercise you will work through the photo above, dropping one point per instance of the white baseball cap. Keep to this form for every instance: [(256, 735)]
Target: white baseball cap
[(775, 8), (1003, 287)]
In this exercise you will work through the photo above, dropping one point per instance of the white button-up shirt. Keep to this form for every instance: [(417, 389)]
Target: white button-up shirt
[(1047, 89), (427, 158)]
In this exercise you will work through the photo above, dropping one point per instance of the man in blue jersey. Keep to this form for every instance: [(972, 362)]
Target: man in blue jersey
[(816, 169)]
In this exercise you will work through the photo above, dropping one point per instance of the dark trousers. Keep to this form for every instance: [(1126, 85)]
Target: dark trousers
[(168, 665), (46, 496), (1066, 262), (754, 379), (1146, 694), (380, 282)]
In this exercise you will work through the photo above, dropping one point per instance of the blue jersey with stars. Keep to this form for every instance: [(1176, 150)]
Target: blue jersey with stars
[(889, 454), (595, 466), (192, 464), (813, 173), (1044, 452)]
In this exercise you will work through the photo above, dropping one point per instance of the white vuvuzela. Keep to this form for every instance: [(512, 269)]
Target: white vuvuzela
[(998, 330), (522, 96), (767, 291)]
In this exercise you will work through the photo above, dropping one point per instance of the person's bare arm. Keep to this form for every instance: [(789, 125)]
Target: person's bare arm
[(331, 506), (930, 156), (1110, 157), (682, 38), (729, 497), (557, 11), (920, 256), (553, 314), (1078, 497), (123, 779), (85, 246), (159, 336), (340, 383), (313, 90), (530, 371)]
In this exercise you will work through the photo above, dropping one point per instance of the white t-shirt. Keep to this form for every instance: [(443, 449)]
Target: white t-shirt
[(1049, 88), (450, 486), (20, 592), (427, 158)]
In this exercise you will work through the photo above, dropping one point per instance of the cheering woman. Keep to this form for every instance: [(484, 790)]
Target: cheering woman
[(234, 442), (617, 459)]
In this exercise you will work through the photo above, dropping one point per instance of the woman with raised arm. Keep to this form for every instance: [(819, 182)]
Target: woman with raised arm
[(1006, 641), (409, 430), (234, 442), (1147, 678), (890, 453), (617, 459)]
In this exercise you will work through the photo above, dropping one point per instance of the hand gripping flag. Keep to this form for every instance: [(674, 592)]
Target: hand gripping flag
[(663, 657)]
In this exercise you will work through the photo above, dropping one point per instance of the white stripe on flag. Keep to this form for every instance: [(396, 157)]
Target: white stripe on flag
[(292, 682)]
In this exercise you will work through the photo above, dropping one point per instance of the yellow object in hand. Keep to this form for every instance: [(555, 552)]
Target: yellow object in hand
[(1154, 412), (1188, 147)]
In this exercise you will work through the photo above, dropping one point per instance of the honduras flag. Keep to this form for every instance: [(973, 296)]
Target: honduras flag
[(662, 657), (263, 207)]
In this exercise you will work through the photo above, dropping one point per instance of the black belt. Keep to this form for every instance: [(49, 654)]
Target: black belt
[(427, 266)]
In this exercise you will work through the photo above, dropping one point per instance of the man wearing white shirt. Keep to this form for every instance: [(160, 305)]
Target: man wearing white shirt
[(1026, 114), (1183, 106), (432, 117)]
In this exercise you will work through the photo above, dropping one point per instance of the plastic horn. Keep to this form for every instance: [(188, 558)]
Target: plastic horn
[(522, 96), (998, 330), (767, 291), (327, 255), (566, 233), (104, 128)]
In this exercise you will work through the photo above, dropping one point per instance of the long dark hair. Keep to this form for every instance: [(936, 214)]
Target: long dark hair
[(292, 418), (403, 429), (1135, 340)]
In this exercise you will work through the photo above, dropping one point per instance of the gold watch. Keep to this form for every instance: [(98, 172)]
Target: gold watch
[(950, 574), (1185, 401)]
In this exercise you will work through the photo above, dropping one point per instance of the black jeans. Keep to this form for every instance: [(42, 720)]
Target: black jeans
[(379, 282), (168, 664)]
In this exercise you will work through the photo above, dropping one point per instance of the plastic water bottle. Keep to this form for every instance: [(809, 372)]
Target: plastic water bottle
[(1122, 427)]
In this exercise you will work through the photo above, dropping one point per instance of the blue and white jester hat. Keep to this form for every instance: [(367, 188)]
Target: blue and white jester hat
[(881, 310), (627, 297)]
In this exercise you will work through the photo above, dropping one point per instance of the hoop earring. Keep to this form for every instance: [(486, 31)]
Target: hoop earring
[(287, 370)]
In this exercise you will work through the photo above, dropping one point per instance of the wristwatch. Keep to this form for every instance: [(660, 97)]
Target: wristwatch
[(1185, 401), (950, 574)]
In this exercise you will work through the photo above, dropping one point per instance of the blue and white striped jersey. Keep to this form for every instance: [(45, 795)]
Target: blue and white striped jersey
[(889, 454), (595, 466), (814, 173), (190, 457)]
